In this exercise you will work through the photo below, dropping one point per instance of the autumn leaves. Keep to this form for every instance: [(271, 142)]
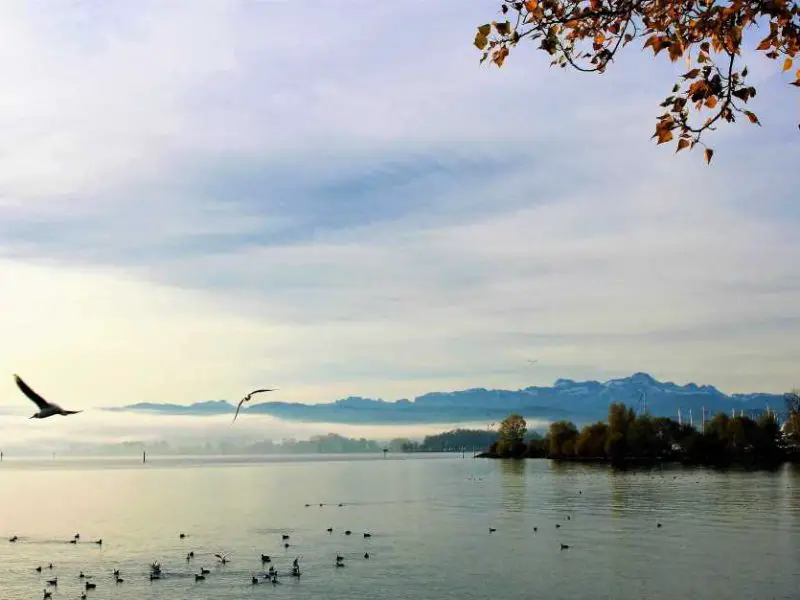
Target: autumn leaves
[(586, 34)]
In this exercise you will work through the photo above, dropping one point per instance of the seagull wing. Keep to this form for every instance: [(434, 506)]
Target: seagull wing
[(238, 406), (218, 556), (33, 396), (247, 399)]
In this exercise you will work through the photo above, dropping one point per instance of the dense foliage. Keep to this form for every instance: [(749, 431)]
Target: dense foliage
[(627, 436), (708, 34), (511, 435)]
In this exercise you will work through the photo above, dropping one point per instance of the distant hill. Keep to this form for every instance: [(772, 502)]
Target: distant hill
[(579, 401), (210, 407)]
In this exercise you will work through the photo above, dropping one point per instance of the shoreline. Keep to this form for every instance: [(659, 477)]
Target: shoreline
[(648, 461)]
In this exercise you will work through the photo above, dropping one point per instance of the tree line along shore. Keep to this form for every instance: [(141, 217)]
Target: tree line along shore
[(628, 437)]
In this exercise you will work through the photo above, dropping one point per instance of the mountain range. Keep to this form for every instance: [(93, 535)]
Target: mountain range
[(579, 401)]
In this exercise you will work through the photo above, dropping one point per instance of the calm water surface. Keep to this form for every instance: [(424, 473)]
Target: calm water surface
[(731, 535)]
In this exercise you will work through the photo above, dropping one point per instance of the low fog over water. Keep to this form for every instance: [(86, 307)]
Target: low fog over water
[(95, 430)]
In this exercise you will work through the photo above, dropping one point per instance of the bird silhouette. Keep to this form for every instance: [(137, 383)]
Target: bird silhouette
[(46, 409), (247, 399)]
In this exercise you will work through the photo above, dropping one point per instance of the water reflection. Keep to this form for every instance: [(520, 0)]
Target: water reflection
[(512, 481)]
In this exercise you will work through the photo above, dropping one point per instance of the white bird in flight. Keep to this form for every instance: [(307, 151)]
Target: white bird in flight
[(46, 409), (247, 399)]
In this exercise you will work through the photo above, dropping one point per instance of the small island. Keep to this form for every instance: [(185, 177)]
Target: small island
[(626, 437)]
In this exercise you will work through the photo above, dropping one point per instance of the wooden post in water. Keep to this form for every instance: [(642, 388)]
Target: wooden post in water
[(144, 456)]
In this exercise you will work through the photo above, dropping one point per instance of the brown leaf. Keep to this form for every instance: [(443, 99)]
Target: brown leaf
[(503, 28), (675, 51), (765, 44), (485, 30), (682, 143), (742, 94), (753, 118), (691, 74), (500, 56), (664, 136), (787, 64), (480, 41), (709, 154)]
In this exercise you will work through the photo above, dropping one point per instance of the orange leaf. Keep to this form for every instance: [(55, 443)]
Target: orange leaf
[(531, 5), (765, 44), (599, 38), (709, 154), (787, 64), (711, 102), (682, 143), (753, 118), (664, 136)]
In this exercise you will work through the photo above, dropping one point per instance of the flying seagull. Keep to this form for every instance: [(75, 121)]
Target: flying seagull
[(247, 399), (46, 409)]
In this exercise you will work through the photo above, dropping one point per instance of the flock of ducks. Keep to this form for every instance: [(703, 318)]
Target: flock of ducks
[(558, 526), (270, 575)]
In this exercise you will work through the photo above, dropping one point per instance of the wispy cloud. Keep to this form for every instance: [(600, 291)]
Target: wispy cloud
[(342, 202)]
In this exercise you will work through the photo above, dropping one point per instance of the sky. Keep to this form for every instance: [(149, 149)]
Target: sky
[(198, 198)]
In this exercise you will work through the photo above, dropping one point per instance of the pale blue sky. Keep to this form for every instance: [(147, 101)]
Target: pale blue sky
[(201, 197)]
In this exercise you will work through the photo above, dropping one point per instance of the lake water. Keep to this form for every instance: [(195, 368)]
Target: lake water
[(731, 535)]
